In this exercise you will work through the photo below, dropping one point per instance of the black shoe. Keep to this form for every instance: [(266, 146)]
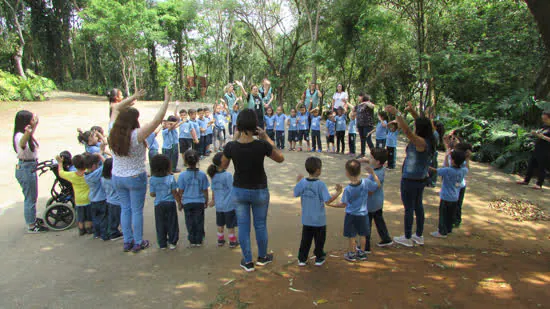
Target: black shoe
[(320, 261), (37, 229), (116, 236), (39, 221), (81, 232), (360, 156), (362, 256), (233, 244), (248, 267), (221, 242), (90, 231), (262, 261), (385, 243)]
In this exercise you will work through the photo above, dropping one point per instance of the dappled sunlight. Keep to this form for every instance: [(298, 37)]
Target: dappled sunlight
[(537, 278), (496, 287), (194, 304), (197, 287)]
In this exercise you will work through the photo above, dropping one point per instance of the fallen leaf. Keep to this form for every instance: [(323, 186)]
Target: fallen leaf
[(295, 290)]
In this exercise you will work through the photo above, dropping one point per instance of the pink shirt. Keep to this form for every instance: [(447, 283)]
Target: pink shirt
[(24, 153)]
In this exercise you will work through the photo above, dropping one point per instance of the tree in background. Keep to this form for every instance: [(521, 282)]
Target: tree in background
[(14, 13)]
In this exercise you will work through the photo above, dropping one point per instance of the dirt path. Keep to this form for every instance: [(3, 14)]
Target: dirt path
[(491, 260)]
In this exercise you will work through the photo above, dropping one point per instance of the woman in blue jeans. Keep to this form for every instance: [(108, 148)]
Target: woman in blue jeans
[(415, 173), (129, 176), (250, 191)]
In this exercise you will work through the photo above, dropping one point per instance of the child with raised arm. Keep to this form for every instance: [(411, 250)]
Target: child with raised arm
[(381, 130), (352, 133), (98, 198), (220, 120), (209, 130), (303, 126), (314, 195), (152, 143), (195, 125), (163, 188), (331, 131), (316, 131), (292, 129), (170, 141), (354, 200), (269, 120), (467, 149), (203, 126), (234, 115), (280, 120), (391, 144)]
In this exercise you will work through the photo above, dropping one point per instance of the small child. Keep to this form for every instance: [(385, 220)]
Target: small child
[(234, 115), (314, 195), (355, 201), (209, 131), (93, 140), (193, 189), (340, 129), (331, 126), (98, 198), (381, 130), (67, 161), (81, 193), (203, 125), (439, 133), (196, 127), (280, 120), (220, 118), (303, 126), (467, 149), (170, 141), (152, 143), (391, 144), (269, 120), (452, 178), (163, 188), (188, 135), (222, 183), (292, 130), (316, 131), (352, 133), (113, 201)]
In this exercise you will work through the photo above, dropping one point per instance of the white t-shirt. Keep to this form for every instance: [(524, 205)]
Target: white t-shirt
[(134, 163), (338, 97), (26, 153)]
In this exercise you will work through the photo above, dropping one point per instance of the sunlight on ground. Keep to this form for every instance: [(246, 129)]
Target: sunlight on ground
[(195, 286), (538, 279), (497, 287)]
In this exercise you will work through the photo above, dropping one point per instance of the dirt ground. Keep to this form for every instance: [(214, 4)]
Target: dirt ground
[(491, 261)]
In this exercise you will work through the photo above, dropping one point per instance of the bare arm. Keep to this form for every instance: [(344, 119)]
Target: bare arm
[(240, 84), (410, 108), (150, 127), (129, 101), (337, 205), (336, 194), (205, 192), (419, 142), (276, 154)]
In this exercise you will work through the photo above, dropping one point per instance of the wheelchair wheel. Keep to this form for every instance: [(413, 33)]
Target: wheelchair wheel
[(59, 217)]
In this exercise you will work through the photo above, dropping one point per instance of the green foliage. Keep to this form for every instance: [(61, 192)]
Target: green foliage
[(15, 88)]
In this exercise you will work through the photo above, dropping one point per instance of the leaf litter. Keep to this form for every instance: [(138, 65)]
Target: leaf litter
[(519, 210)]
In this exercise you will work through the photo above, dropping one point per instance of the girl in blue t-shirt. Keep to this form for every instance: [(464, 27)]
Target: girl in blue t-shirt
[(331, 125), (280, 121), (340, 129), (292, 130), (381, 130), (220, 118), (352, 133), (234, 114), (316, 131), (269, 120)]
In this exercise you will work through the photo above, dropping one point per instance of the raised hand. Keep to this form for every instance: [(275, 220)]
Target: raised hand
[(299, 177), (391, 109), (338, 188), (369, 169)]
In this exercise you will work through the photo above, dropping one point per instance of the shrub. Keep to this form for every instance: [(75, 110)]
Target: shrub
[(15, 88)]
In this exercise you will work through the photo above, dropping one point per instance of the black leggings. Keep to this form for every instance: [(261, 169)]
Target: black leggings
[(538, 164), (365, 138), (340, 140)]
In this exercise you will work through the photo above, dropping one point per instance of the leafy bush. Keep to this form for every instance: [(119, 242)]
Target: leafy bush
[(15, 88)]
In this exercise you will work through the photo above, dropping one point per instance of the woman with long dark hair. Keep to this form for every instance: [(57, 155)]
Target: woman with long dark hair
[(129, 177), (419, 152), (250, 192), (26, 147)]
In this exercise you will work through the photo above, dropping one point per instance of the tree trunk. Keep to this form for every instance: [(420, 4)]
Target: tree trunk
[(153, 67), (540, 10), (18, 59), (124, 77)]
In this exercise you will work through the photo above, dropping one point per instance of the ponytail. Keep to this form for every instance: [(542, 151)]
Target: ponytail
[(216, 162), (83, 137)]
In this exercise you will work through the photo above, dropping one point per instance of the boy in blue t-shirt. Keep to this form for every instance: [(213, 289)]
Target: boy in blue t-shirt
[(340, 129), (331, 131), (280, 120), (354, 200), (209, 130), (234, 115), (203, 124), (316, 131), (391, 144), (170, 141), (314, 195), (381, 130), (352, 133), (220, 119), (98, 198), (303, 126), (269, 120), (292, 129), (452, 178)]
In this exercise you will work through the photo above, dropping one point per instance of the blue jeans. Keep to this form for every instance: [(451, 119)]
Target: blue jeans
[(257, 200), (29, 185), (99, 219), (412, 192), (131, 191), (114, 219)]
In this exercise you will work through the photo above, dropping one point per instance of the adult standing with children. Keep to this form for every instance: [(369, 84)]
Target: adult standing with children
[(415, 172), (266, 93), (250, 191), (365, 121), (253, 100), (127, 140), (339, 99), (540, 160), (26, 147), (230, 99)]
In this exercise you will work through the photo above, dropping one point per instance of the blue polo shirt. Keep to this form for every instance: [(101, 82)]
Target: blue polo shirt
[(391, 138), (220, 119), (152, 141), (193, 182), (316, 123), (303, 121), (314, 194), (185, 130), (280, 122), (222, 184), (234, 115), (375, 201), (452, 182), (330, 127), (269, 122), (169, 138), (209, 129), (203, 123), (355, 197), (110, 191), (381, 131), (352, 126), (93, 179), (93, 148), (293, 124), (162, 187), (340, 123)]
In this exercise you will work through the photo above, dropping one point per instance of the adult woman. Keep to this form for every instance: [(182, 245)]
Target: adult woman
[(250, 183), (26, 148), (311, 96), (115, 96), (540, 160), (340, 98), (266, 93), (230, 99), (365, 121), (129, 177), (415, 172), (254, 101)]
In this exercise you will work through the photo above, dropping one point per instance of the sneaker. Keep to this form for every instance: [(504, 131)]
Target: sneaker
[(320, 261), (39, 221), (90, 231), (385, 243), (198, 245), (37, 229), (419, 240), (162, 248), (96, 237), (362, 255), (350, 257), (360, 156), (436, 234), (233, 244), (302, 263), (128, 246), (116, 236), (137, 248), (172, 246), (319, 151), (404, 241), (81, 232), (221, 242), (262, 261), (248, 267)]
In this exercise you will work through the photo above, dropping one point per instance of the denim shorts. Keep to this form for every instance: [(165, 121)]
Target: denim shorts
[(83, 213), (355, 225), (227, 219)]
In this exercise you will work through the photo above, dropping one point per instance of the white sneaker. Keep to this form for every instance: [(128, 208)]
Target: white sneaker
[(402, 240), (419, 240), (437, 235), (172, 246), (302, 264)]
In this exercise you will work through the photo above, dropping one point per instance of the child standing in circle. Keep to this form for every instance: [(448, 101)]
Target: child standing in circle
[(331, 126), (98, 198), (193, 189), (222, 183), (152, 144), (340, 129), (280, 120), (316, 131), (170, 141), (391, 144), (381, 130), (303, 126), (352, 133), (113, 201), (270, 122), (292, 130), (163, 188)]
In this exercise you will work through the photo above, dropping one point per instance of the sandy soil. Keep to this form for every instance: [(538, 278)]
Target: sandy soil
[(492, 260)]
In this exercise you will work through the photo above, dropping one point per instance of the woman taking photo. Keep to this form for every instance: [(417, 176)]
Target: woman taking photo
[(365, 121), (253, 101), (250, 192), (129, 177), (540, 160), (339, 99), (26, 148), (415, 173)]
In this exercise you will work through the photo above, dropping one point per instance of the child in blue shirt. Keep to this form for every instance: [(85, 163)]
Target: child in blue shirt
[(98, 198), (152, 143), (340, 119), (316, 131), (292, 129), (222, 184), (170, 141), (354, 200), (452, 178), (113, 201), (188, 134), (352, 132), (331, 126), (162, 186), (203, 124), (280, 120), (220, 120), (234, 115), (381, 130), (467, 149), (195, 125), (269, 120), (303, 126), (93, 140), (193, 189), (391, 144), (209, 130), (314, 195)]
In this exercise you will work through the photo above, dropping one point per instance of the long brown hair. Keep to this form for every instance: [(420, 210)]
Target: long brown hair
[(121, 133)]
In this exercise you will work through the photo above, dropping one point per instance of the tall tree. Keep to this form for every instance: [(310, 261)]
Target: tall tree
[(541, 11), (16, 10)]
